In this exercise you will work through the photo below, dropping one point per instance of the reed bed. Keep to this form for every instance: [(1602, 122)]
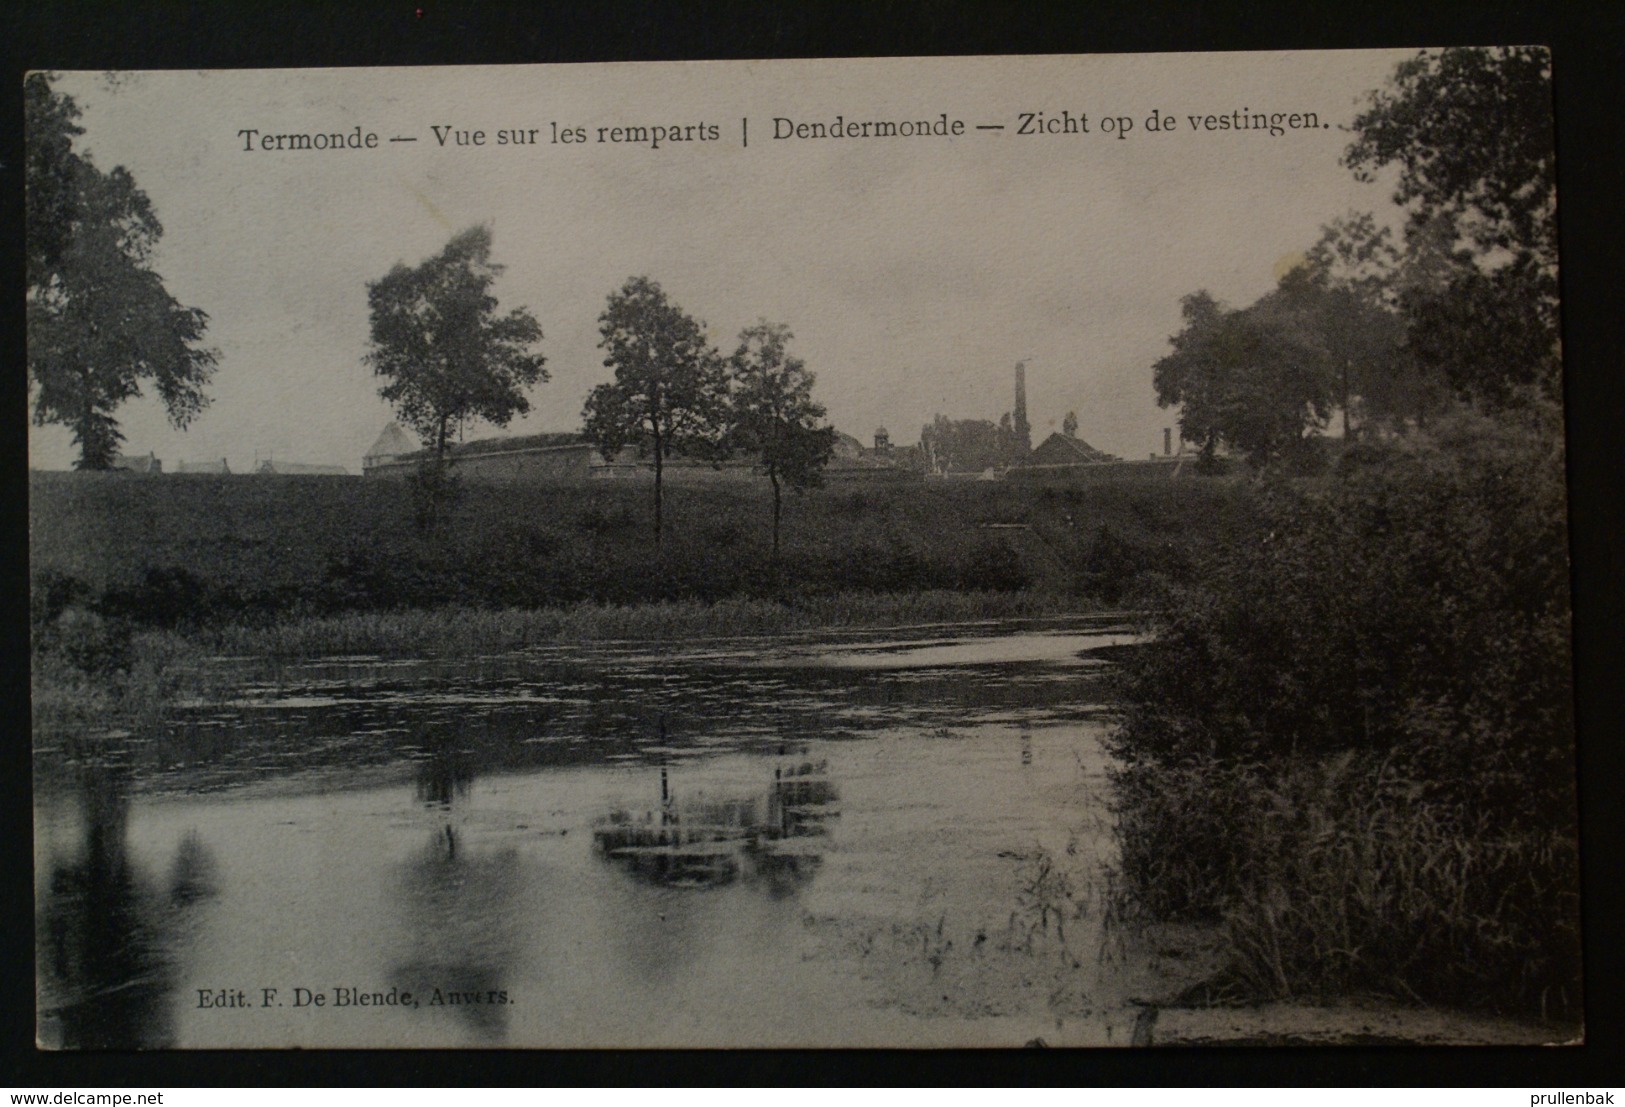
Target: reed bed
[(1336, 879), (463, 630)]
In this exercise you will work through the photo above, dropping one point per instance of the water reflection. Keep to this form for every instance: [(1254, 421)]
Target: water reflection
[(767, 838), (430, 818), (444, 776), (110, 934), (459, 902), (580, 705)]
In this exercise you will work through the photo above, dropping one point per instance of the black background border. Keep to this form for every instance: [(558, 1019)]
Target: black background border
[(1588, 64)]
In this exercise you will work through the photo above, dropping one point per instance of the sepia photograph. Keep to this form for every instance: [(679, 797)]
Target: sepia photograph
[(937, 552)]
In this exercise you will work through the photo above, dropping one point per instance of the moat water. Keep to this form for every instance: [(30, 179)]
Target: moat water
[(875, 838)]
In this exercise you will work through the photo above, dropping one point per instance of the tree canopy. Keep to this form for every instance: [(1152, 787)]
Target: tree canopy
[(100, 322), (971, 445), (670, 387), (1464, 307), (447, 355), (1253, 379), (1471, 132), (774, 416)]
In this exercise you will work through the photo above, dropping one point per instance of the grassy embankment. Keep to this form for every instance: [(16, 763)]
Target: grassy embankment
[(136, 579), (293, 566)]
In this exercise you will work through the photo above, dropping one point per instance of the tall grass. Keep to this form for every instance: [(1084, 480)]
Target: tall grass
[(1330, 879), (1351, 745), (466, 630), (92, 676)]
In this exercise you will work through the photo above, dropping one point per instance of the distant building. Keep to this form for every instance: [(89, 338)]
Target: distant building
[(294, 468), (391, 444), (1180, 451), (133, 463), (1060, 451), (895, 463), (527, 459), (572, 459), (204, 467)]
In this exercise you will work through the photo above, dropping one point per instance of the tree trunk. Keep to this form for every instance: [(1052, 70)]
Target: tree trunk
[(1345, 400), (774, 478), (659, 467), (95, 448)]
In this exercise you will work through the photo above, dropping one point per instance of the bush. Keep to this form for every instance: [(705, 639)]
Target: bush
[(993, 566), (50, 594), (87, 642), (1408, 611), (166, 596)]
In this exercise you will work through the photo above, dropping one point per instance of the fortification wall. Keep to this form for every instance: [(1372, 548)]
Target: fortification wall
[(550, 465)]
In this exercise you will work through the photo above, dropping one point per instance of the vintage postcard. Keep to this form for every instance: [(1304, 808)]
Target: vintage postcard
[(974, 551)]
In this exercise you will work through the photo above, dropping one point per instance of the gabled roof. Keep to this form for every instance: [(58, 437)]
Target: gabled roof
[(138, 463), (391, 442), (1059, 449)]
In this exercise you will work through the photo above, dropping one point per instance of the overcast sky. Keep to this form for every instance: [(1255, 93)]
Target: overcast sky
[(915, 272)]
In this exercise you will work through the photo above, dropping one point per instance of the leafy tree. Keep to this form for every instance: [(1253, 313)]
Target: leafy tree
[(1069, 425), (100, 322), (670, 388), (971, 445), (446, 353), (1009, 437), (1254, 379), (1483, 333), (774, 415), (1471, 132), (1346, 299)]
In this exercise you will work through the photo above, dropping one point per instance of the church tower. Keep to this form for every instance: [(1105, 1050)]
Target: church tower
[(1023, 429)]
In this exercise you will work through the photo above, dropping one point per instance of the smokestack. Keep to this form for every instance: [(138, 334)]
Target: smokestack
[(1167, 441), (1023, 429)]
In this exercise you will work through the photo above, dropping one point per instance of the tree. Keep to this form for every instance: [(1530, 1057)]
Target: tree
[(1253, 378), (1471, 132), (1471, 129), (100, 322), (970, 445), (1345, 299), (774, 415), (446, 353), (1069, 425), (669, 391)]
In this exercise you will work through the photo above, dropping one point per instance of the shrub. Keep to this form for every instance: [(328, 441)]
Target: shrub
[(1408, 611), (166, 596), (92, 644), (993, 566), (50, 594)]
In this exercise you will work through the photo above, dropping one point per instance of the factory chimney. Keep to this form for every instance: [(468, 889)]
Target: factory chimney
[(1023, 429)]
